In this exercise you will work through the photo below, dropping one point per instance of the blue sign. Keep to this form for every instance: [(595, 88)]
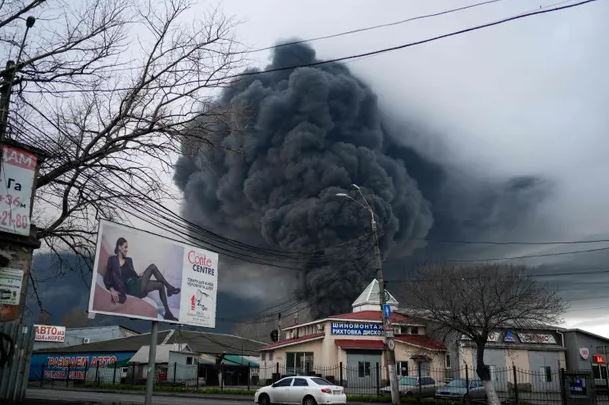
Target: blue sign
[(356, 329), (509, 337), (387, 310), (58, 365)]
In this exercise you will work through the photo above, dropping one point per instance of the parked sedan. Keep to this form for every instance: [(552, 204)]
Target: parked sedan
[(301, 390), (410, 386), (457, 389)]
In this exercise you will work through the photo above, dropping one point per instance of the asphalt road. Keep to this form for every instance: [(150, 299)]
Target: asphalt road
[(56, 397)]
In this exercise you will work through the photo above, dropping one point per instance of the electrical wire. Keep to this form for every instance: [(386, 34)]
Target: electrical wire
[(369, 28), (409, 44)]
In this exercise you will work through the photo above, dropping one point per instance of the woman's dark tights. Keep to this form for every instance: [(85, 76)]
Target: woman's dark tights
[(149, 285)]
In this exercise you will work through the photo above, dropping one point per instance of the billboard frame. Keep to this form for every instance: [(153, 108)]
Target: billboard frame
[(130, 229)]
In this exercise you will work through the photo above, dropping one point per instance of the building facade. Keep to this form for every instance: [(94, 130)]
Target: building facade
[(587, 352), (350, 348)]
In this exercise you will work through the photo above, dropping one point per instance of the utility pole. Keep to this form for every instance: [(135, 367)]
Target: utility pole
[(8, 79), (387, 328)]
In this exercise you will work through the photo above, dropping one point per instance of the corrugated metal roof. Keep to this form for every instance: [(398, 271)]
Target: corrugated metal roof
[(199, 342), (162, 353)]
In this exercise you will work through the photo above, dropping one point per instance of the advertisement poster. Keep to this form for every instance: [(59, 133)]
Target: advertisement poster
[(17, 172), (140, 275), (49, 333)]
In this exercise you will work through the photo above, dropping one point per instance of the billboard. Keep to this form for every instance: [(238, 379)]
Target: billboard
[(49, 333), (17, 172), (140, 275)]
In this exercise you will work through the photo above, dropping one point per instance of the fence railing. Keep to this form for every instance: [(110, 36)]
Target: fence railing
[(513, 385)]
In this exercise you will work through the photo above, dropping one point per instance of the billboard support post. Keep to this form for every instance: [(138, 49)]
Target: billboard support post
[(151, 362)]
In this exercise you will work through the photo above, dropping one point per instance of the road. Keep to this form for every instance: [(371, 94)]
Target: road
[(53, 396)]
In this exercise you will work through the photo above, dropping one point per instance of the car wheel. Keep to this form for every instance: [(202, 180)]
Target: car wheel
[(264, 399), (309, 400)]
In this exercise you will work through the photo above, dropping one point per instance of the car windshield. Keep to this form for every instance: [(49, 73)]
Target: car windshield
[(408, 381), (457, 384), (321, 381)]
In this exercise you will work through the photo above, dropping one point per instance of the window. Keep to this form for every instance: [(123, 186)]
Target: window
[(270, 356), (189, 360), (447, 360), (414, 330), (300, 382), (263, 356), (363, 369), (546, 373), (299, 362), (596, 372), (403, 368), (286, 382), (604, 372)]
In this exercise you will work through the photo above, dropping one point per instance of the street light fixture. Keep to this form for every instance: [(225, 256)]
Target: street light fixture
[(387, 329)]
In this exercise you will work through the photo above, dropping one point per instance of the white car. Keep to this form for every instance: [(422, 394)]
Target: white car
[(301, 390)]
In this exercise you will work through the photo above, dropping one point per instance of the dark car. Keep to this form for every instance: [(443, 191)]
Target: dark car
[(457, 389), (410, 386)]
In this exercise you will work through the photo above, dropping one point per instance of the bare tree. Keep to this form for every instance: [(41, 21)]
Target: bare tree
[(107, 88), (474, 301)]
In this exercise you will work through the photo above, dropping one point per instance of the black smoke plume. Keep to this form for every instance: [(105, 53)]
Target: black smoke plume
[(269, 175), (305, 134)]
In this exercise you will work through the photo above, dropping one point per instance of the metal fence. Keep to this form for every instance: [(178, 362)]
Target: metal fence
[(14, 374), (545, 387)]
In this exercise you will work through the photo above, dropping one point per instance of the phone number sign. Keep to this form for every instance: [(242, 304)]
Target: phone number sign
[(17, 173)]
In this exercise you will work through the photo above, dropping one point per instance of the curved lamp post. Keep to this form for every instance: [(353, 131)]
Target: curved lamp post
[(387, 329)]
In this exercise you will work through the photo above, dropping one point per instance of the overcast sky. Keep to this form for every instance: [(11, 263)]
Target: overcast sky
[(525, 98)]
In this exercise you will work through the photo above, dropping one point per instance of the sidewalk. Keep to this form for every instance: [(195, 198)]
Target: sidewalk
[(239, 398)]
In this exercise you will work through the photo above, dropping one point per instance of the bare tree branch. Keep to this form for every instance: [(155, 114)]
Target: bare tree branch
[(475, 301)]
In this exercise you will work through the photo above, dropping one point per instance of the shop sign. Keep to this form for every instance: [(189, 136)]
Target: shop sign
[(17, 179), (73, 366), (493, 337), (543, 338), (599, 359), (509, 337), (584, 352), (356, 329), (48, 333)]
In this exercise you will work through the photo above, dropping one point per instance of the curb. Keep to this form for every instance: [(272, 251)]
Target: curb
[(243, 398)]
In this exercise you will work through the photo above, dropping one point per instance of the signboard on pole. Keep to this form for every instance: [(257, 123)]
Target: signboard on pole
[(141, 275), (49, 333), (17, 172), (10, 286)]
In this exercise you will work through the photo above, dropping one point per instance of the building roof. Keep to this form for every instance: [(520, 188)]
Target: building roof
[(375, 316), (422, 341), (162, 353), (289, 342), (370, 296), (585, 332), (360, 344), (199, 342)]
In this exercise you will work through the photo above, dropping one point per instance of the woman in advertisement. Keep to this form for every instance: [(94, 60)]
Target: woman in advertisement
[(122, 280)]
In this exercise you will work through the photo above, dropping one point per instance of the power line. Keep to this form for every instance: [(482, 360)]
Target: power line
[(370, 28), (218, 81), (409, 44), (495, 259), (514, 242)]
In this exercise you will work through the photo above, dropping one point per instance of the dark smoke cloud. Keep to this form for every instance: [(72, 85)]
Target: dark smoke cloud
[(308, 133)]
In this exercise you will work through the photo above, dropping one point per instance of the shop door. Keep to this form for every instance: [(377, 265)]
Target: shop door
[(361, 371)]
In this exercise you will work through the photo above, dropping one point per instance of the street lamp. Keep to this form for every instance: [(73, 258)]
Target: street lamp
[(387, 329)]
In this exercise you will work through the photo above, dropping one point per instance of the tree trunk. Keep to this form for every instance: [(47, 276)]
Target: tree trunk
[(484, 373)]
